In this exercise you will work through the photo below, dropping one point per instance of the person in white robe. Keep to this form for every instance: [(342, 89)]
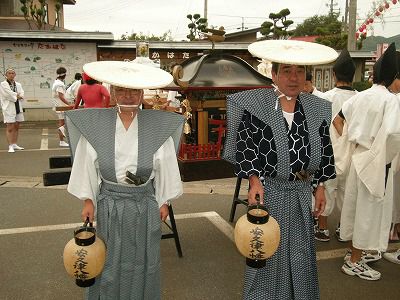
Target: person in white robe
[(372, 121), (343, 72), (58, 93), (125, 171), (72, 90), (11, 97), (394, 257)]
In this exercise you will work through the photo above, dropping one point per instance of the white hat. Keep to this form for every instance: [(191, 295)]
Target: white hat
[(128, 74), (293, 52)]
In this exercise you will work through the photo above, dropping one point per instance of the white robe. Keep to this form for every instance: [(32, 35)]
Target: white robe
[(58, 87), (8, 96), (372, 119), (85, 178), (342, 150)]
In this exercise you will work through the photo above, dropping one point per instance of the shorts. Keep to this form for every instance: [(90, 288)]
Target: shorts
[(60, 115), (12, 118)]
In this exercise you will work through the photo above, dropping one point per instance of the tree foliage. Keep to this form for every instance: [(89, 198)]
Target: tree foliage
[(37, 13), (166, 36), (196, 26), (278, 28), (327, 27)]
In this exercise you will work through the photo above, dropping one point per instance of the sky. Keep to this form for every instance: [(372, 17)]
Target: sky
[(159, 16)]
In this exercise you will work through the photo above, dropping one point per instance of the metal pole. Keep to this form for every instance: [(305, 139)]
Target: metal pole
[(351, 40), (205, 9)]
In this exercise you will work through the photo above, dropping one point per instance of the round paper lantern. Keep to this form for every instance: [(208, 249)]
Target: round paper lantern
[(84, 255), (257, 236)]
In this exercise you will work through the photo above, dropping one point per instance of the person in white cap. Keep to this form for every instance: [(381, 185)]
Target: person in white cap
[(282, 135), (59, 99), (125, 171), (372, 123), (343, 72), (12, 96)]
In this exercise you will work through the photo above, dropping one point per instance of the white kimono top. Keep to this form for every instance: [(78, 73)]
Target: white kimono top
[(85, 177), (8, 96), (373, 123), (58, 87), (342, 149)]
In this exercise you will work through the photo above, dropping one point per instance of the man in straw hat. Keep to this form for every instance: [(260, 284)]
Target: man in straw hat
[(282, 135), (343, 73), (125, 170), (371, 117), (11, 96)]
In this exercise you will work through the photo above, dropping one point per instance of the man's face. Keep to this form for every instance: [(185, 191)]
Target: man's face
[(127, 96), (10, 75), (290, 79)]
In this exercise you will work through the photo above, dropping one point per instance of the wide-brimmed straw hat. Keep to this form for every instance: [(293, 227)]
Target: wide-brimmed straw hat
[(293, 52), (128, 74)]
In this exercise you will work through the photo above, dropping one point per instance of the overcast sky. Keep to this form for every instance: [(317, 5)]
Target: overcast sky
[(158, 16)]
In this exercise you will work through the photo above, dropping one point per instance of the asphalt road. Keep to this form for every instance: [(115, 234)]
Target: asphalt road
[(36, 222)]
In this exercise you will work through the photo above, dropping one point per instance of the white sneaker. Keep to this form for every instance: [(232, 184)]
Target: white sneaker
[(366, 257), (16, 147), (360, 269), (393, 257), (64, 144), (11, 149)]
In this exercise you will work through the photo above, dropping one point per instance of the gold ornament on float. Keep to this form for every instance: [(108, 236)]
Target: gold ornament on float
[(84, 255), (257, 236), (187, 114)]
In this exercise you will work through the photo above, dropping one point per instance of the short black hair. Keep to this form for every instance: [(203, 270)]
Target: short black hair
[(308, 76), (78, 76), (61, 72)]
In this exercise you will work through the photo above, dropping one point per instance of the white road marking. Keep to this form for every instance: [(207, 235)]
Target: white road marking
[(225, 227), (44, 144), (34, 150)]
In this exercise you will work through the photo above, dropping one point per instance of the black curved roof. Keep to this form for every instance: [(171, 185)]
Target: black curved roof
[(219, 71)]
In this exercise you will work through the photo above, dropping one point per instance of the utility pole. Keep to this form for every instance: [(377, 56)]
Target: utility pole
[(351, 39), (205, 9), (346, 15), (331, 7)]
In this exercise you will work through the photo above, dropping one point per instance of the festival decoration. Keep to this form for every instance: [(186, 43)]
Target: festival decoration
[(257, 236), (84, 255), (378, 9)]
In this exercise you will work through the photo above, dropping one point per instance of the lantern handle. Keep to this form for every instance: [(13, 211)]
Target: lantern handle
[(85, 224), (261, 205)]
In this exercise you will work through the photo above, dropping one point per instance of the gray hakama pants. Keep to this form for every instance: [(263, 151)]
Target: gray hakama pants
[(128, 221), (291, 273)]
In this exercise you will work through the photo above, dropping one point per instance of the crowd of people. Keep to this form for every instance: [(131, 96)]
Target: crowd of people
[(365, 140), (304, 153)]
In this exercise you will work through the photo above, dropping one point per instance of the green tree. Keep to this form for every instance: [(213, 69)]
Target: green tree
[(37, 13), (278, 27), (196, 26), (328, 29), (166, 36)]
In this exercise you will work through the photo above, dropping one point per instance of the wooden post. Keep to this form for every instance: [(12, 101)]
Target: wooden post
[(202, 127)]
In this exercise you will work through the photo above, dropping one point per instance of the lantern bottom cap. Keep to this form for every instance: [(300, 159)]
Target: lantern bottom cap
[(254, 263), (85, 283)]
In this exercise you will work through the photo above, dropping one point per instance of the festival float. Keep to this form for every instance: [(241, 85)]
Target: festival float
[(204, 81)]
